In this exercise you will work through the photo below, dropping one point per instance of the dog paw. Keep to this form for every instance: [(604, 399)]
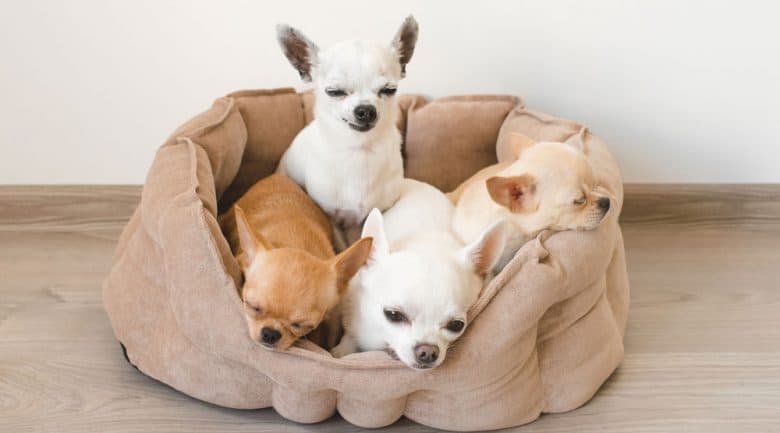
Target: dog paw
[(344, 348)]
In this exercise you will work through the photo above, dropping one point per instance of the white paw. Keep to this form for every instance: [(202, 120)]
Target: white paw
[(343, 349)]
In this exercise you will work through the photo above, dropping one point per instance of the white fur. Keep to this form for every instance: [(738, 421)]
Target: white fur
[(416, 266), (348, 172)]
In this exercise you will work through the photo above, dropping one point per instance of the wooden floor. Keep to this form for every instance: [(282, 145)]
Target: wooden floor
[(702, 346)]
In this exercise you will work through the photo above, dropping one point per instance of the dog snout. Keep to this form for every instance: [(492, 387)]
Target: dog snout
[(603, 204), (270, 336), (365, 114), (426, 354)]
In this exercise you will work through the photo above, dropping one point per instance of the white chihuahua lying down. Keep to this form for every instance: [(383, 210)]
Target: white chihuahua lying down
[(349, 157), (419, 282)]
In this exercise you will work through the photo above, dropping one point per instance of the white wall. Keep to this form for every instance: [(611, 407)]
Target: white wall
[(683, 91)]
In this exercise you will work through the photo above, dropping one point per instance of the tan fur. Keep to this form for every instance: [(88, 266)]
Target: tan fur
[(479, 176), (284, 244), (539, 190), (515, 193)]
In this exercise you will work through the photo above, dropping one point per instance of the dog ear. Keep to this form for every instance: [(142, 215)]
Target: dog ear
[(518, 143), (516, 193), (578, 140), (349, 261), (404, 41), (298, 49), (251, 245), (484, 253), (374, 227)]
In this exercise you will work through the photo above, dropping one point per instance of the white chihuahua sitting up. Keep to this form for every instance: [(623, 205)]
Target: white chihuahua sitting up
[(349, 157), (412, 297)]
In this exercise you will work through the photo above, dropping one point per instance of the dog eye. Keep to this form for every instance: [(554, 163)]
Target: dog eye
[(300, 329), (335, 93), (299, 325), (255, 309), (455, 325), (388, 91), (580, 201), (395, 316)]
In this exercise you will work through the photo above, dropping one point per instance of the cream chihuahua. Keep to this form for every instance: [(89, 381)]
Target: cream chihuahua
[(283, 243), (549, 185), (349, 157), (412, 296)]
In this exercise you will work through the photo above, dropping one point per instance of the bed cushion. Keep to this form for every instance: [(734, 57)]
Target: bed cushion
[(549, 329)]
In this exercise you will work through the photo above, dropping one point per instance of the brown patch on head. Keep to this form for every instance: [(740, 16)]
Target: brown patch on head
[(516, 193), (405, 40), (299, 50)]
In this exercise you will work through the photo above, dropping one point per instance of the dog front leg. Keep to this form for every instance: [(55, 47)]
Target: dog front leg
[(345, 347)]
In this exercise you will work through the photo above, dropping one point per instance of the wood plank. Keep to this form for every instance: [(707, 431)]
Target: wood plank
[(680, 392), (67, 207), (701, 206), (702, 290)]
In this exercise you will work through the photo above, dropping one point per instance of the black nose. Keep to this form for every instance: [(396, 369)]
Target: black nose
[(365, 113), (426, 353), (603, 204), (270, 335)]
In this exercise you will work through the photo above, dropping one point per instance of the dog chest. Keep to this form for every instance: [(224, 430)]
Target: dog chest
[(348, 191)]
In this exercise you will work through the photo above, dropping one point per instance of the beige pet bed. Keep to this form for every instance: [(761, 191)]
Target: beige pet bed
[(550, 326)]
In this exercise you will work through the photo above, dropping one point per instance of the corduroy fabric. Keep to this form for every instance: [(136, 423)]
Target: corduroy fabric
[(550, 326)]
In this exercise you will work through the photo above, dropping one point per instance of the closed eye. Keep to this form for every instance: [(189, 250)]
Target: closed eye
[(387, 91), (335, 92), (580, 201), (254, 309), (299, 327)]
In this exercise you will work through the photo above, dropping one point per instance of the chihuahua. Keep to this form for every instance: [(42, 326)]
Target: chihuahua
[(549, 185), (412, 297), (349, 157), (283, 243)]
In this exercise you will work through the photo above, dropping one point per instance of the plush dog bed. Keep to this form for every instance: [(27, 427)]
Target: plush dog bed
[(550, 326)]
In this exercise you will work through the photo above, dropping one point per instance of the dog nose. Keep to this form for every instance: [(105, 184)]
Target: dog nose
[(365, 113), (270, 335), (426, 353), (603, 204)]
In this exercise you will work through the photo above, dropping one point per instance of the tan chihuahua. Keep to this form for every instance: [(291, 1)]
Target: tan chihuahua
[(549, 185), (284, 244)]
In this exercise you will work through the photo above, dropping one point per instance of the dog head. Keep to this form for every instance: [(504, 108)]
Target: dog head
[(355, 81), (551, 185), (417, 297), (287, 291)]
